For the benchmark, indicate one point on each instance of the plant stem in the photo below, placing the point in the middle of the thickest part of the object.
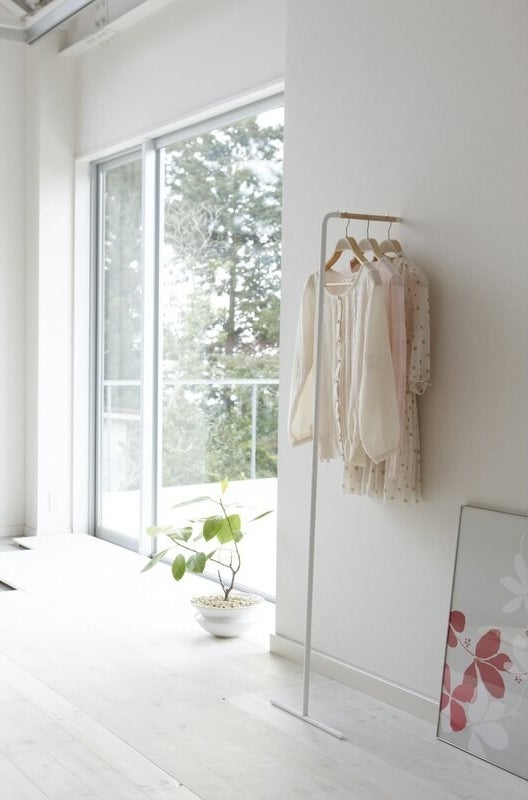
(192, 550)
(230, 566)
(222, 584)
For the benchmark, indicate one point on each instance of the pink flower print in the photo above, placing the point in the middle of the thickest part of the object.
(489, 664)
(457, 623)
(457, 715)
(468, 687)
(517, 586)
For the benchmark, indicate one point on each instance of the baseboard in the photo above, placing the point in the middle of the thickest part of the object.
(29, 531)
(405, 699)
(8, 531)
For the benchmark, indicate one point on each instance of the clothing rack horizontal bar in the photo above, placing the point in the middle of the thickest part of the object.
(371, 217)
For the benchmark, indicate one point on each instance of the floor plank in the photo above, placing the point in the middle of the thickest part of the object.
(109, 690)
(102, 762)
(15, 784)
(38, 765)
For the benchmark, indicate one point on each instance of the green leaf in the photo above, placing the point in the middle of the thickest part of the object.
(224, 534)
(157, 531)
(211, 527)
(264, 514)
(234, 522)
(197, 562)
(229, 529)
(178, 567)
(224, 485)
(194, 500)
(154, 560)
(180, 534)
(237, 536)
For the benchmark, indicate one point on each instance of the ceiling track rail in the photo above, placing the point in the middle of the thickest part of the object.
(46, 21)
(54, 18)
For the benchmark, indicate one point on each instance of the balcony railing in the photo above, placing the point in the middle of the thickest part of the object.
(111, 412)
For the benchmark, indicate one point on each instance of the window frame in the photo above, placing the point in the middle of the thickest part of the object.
(152, 231)
(97, 337)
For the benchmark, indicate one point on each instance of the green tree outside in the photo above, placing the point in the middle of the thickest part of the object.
(221, 297)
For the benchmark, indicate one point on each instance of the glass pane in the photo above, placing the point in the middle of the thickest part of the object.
(220, 297)
(120, 426)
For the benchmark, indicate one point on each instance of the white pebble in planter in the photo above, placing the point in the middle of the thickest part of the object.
(226, 618)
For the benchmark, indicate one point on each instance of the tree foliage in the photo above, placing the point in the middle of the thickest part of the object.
(219, 299)
(221, 290)
(123, 276)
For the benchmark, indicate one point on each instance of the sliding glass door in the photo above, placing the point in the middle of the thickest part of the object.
(216, 333)
(120, 323)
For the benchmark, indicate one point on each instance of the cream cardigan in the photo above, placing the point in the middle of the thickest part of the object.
(358, 412)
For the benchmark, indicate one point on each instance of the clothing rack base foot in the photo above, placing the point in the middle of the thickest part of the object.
(310, 720)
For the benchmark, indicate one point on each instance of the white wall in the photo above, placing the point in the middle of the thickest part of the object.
(50, 143)
(12, 278)
(186, 58)
(419, 109)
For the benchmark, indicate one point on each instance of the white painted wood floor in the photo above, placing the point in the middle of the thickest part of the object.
(110, 691)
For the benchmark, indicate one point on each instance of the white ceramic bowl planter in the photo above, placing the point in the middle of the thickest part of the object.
(224, 615)
(226, 618)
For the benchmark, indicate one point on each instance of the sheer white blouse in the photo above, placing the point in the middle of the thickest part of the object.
(358, 411)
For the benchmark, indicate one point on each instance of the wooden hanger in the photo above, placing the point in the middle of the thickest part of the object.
(346, 243)
(370, 246)
(390, 247)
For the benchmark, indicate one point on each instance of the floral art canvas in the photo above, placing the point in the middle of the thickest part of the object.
(484, 700)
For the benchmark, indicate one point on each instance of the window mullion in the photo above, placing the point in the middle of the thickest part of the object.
(149, 350)
(98, 364)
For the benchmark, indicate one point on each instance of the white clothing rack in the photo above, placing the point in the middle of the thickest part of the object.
(304, 712)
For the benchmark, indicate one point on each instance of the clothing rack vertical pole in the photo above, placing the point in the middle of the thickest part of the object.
(304, 713)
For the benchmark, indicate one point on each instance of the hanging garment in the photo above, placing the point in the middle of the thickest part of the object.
(358, 410)
(395, 306)
(373, 479)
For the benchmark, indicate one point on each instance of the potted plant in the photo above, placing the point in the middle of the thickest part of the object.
(227, 614)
